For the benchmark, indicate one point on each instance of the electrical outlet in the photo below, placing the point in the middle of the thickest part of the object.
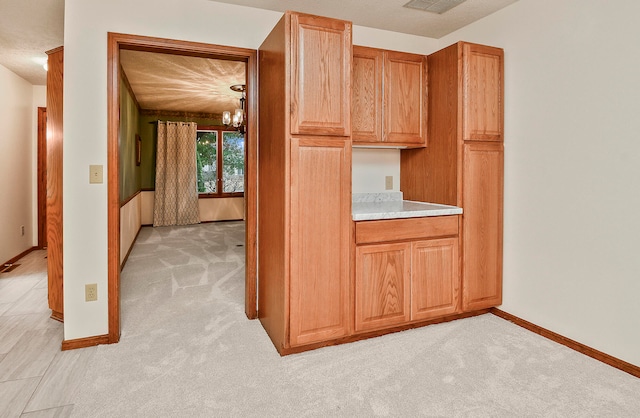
(22, 230)
(388, 183)
(91, 292)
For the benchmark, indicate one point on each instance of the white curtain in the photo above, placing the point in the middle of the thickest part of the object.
(176, 195)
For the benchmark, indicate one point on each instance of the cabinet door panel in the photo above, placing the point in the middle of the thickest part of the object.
(320, 76)
(366, 115)
(434, 278)
(405, 98)
(382, 295)
(483, 93)
(320, 237)
(482, 225)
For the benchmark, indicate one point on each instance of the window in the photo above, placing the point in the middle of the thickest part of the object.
(220, 162)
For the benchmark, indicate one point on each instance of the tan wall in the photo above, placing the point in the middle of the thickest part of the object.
(218, 209)
(18, 166)
(130, 223)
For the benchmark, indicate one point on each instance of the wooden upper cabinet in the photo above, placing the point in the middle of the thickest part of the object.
(483, 93)
(405, 98)
(389, 98)
(320, 76)
(366, 115)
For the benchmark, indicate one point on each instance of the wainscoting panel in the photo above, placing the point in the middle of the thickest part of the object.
(214, 209)
(130, 223)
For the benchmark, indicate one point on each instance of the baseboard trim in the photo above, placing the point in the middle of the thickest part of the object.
(58, 316)
(84, 342)
(567, 342)
(19, 256)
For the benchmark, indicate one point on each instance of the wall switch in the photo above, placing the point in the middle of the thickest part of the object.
(22, 230)
(90, 292)
(388, 183)
(95, 174)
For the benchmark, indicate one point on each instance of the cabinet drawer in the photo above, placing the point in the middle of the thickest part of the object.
(406, 229)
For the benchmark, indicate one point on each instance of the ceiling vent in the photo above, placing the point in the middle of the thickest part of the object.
(433, 6)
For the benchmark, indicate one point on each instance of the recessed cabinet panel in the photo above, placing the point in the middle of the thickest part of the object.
(404, 98)
(382, 297)
(320, 76)
(435, 281)
(482, 192)
(320, 225)
(366, 115)
(483, 93)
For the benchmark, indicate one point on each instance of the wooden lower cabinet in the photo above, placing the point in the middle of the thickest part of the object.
(482, 191)
(320, 237)
(435, 282)
(402, 282)
(382, 296)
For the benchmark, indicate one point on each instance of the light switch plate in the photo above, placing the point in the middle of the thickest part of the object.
(388, 183)
(95, 174)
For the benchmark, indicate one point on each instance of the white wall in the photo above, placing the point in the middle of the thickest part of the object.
(85, 110)
(370, 168)
(39, 99)
(16, 169)
(572, 167)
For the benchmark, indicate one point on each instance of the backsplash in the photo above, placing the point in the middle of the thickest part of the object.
(372, 166)
(376, 197)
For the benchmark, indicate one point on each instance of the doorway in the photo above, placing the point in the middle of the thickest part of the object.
(118, 42)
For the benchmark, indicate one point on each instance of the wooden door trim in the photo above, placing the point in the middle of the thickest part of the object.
(42, 177)
(117, 41)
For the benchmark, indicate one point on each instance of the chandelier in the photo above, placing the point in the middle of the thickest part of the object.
(238, 119)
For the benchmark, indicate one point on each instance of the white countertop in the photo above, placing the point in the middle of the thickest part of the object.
(373, 206)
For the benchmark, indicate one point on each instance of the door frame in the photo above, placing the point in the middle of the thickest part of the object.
(118, 41)
(42, 177)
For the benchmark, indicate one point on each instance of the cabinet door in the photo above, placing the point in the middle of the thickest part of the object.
(435, 281)
(482, 185)
(405, 98)
(366, 115)
(320, 214)
(483, 93)
(382, 293)
(320, 76)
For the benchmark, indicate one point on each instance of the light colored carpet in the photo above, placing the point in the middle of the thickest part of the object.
(187, 350)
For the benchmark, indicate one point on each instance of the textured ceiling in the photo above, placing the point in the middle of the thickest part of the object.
(387, 14)
(29, 28)
(181, 83)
